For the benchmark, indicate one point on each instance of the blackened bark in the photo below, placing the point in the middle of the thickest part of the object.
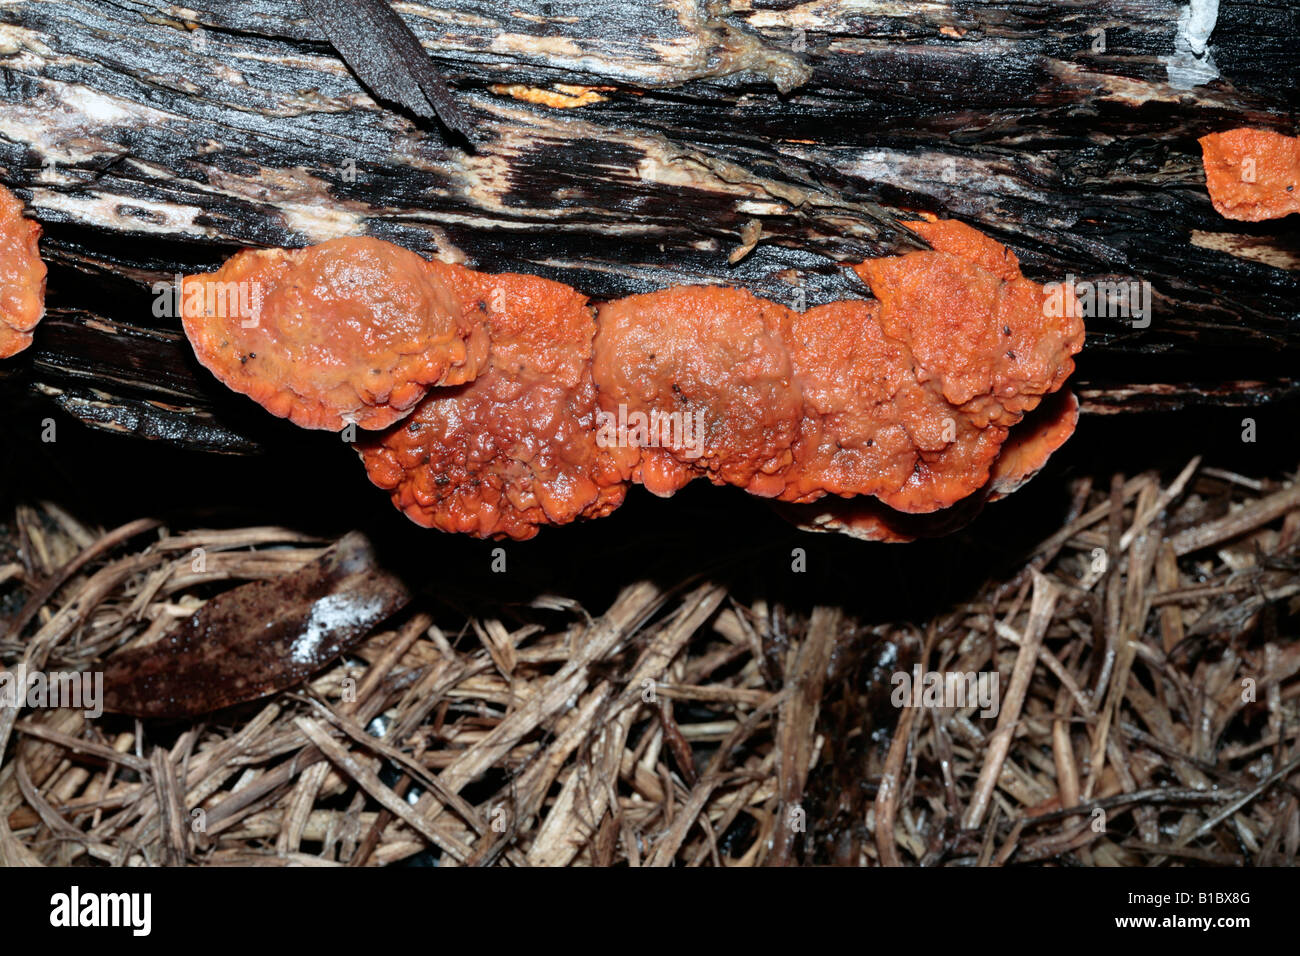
(624, 147)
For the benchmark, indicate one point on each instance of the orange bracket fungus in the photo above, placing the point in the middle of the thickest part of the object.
(1024, 453)
(352, 331)
(1252, 174)
(517, 448)
(22, 276)
(525, 406)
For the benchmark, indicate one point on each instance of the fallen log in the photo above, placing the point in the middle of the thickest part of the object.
(624, 148)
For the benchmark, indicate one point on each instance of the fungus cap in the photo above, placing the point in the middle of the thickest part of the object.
(1032, 442)
(516, 448)
(1022, 455)
(22, 276)
(709, 369)
(353, 330)
(1252, 174)
(984, 347)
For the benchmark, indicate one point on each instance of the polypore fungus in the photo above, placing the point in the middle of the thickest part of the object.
(984, 349)
(909, 398)
(707, 370)
(1252, 174)
(1026, 450)
(22, 276)
(515, 449)
(353, 330)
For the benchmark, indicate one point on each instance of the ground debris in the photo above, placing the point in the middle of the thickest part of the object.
(1145, 654)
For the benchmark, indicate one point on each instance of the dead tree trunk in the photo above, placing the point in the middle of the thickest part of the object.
(624, 147)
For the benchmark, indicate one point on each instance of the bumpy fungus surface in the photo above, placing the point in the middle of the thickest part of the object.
(515, 449)
(710, 371)
(1023, 455)
(984, 350)
(1252, 174)
(22, 276)
(353, 330)
(908, 398)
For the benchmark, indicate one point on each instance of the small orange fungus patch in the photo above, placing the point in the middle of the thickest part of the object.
(1252, 174)
(22, 276)
(565, 96)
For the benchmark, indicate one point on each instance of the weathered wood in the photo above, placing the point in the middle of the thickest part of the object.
(624, 147)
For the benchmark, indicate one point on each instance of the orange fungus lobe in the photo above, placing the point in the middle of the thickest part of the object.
(516, 448)
(699, 380)
(1252, 174)
(22, 276)
(984, 347)
(353, 330)
(1024, 453)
